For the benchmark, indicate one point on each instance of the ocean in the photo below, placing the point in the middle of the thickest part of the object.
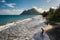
(22, 27)
(5, 19)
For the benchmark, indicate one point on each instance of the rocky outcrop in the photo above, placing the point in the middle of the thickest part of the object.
(54, 33)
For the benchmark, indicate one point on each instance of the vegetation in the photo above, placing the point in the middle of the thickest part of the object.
(53, 15)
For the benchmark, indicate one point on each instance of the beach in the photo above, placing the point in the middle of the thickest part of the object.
(26, 29)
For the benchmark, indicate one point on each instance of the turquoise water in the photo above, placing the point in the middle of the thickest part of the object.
(30, 27)
(4, 19)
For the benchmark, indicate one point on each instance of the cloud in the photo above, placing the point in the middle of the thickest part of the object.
(48, 1)
(11, 12)
(54, 7)
(39, 9)
(2, 1)
(11, 5)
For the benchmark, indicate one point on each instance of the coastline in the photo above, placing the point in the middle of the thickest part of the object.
(29, 31)
(22, 30)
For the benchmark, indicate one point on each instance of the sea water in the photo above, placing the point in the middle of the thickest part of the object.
(22, 27)
(4, 19)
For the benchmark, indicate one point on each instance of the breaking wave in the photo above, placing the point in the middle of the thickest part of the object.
(24, 29)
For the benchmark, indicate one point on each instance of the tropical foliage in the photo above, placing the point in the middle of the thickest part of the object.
(52, 14)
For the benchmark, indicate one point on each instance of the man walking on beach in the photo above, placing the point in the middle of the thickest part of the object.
(42, 31)
(41, 34)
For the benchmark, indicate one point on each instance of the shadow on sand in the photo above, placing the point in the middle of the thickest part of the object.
(39, 36)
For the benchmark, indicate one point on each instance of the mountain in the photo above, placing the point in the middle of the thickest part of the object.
(32, 11)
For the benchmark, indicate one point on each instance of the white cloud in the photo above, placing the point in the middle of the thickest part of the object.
(2, 1)
(54, 7)
(10, 12)
(11, 5)
(48, 1)
(39, 9)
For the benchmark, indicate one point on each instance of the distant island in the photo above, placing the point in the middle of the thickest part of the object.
(32, 11)
(51, 15)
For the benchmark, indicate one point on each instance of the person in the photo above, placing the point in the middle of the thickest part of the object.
(42, 31)
(41, 35)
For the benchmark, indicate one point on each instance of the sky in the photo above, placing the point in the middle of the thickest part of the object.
(15, 7)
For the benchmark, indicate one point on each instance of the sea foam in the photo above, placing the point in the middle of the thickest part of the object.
(22, 29)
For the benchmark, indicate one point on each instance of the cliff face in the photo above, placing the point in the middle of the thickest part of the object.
(30, 12)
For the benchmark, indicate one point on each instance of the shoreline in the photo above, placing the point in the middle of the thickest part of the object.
(23, 29)
(49, 29)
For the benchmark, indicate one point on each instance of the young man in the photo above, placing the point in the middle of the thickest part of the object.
(42, 31)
